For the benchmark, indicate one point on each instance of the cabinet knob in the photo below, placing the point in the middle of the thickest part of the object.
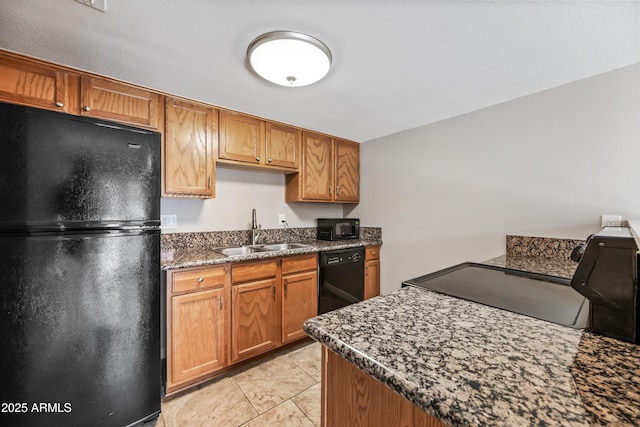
(286, 282)
(209, 182)
(269, 160)
(87, 108)
(337, 190)
(330, 191)
(257, 159)
(59, 104)
(200, 279)
(221, 299)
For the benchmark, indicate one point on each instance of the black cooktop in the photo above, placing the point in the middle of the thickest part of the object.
(544, 297)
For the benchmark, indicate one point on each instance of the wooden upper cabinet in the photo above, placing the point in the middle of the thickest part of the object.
(329, 172)
(34, 84)
(347, 175)
(190, 137)
(317, 167)
(281, 145)
(111, 100)
(241, 138)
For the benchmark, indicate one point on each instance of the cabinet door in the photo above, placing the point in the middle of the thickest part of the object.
(33, 84)
(317, 167)
(241, 138)
(281, 145)
(347, 171)
(190, 134)
(197, 336)
(299, 303)
(371, 278)
(107, 99)
(253, 318)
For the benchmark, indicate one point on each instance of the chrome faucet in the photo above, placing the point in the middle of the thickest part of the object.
(255, 228)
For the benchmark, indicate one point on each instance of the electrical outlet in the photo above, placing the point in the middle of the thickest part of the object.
(281, 219)
(168, 221)
(610, 221)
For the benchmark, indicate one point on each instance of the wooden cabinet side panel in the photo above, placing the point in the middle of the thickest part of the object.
(317, 167)
(189, 134)
(253, 319)
(347, 171)
(197, 330)
(241, 138)
(29, 83)
(113, 100)
(299, 303)
(352, 398)
(281, 145)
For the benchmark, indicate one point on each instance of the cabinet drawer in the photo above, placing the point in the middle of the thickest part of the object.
(299, 263)
(372, 252)
(198, 279)
(253, 271)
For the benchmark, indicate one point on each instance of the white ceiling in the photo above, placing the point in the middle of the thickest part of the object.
(396, 64)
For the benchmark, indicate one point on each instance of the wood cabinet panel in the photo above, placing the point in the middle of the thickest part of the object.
(241, 137)
(190, 138)
(33, 84)
(282, 145)
(351, 397)
(253, 271)
(197, 330)
(372, 272)
(299, 303)
(197, 279)
(253, 319)
(299, 263)
(108, 99)
(347, 185)
(317, 167)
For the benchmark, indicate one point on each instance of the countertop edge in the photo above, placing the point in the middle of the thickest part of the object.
(214, 258)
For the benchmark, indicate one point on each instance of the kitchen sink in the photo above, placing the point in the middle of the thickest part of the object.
(284, 246)
(240, 250)
(252, 249)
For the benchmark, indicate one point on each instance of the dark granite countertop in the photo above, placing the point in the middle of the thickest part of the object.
(181, 258)
(472, 365)
(559, 267)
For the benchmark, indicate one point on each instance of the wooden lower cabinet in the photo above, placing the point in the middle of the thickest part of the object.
(222, 315)
(372, 272)
(351, 397)
(253, 319)
(197, 325)
(299, 300)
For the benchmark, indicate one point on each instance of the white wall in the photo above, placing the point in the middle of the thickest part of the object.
(237, 193)
(548, 164)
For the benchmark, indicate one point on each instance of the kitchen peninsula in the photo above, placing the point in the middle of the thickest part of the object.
(416, 357)
(464, 364)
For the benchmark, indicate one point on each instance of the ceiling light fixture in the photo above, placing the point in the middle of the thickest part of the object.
(289, 58)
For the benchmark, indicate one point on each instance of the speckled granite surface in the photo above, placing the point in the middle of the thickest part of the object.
(540, 247)
(552, 267)
(472, 365)
(543, 255)
(180, 250)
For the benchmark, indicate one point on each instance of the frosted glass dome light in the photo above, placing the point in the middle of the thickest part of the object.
(288, 58)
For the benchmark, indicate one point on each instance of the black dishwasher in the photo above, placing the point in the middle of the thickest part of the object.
(341, 278)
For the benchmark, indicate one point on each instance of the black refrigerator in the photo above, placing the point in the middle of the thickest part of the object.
(79, 270)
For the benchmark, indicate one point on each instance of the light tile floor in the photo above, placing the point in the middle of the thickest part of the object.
(283, 390)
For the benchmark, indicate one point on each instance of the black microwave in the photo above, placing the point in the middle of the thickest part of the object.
(338, 228)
